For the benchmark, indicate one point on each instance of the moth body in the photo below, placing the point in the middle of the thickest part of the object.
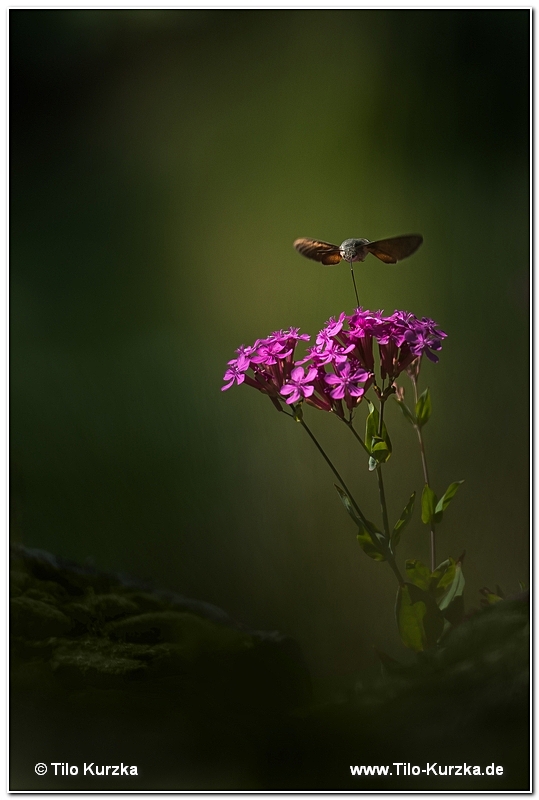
(354, 250)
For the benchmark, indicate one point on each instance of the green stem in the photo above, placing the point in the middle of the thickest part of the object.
(381, 490)
(381, 422)
(393, 564)
(383, 502)
(389, 556)
(426, 477)
(350, 424)
(336, 473)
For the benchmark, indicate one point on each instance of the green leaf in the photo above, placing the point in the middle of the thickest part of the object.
(406, 412)
(419, 620)
(418, 573)
(402, 522)
(428, 503)
(490, 598)
(374, 530)
(455, 589)
(369, 540)
(444, 501)
(380, 452)
(349, 506)
(436, 583)
(375, 443)
(379, 445)
(387, 440)
(371, 544)
(371, 425)
(442, 577)
(423, 408)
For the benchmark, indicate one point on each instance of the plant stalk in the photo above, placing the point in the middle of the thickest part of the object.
(350, 425)
(381, 490)
(336, 473)
(389, 556)
(426, 478)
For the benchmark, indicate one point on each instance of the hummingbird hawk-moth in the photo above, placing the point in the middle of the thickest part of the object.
(388, 250)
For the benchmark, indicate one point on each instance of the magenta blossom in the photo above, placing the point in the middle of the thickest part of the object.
(340, 367)
(401, 338)
(266, 365)
(299, 384)
(344, 382)
(333, 327)
(236, 371)
(424, 337)
(330, 352)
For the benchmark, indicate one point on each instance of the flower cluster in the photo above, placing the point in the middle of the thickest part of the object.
(271, 361)
(340, 366)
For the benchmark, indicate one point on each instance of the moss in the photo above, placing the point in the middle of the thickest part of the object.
(194, 634)
(88, 664)
(35, 619)
(19, 580)
(110, 606)
(145, 601)
(106, 635)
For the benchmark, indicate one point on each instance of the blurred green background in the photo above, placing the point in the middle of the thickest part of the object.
(162, 163)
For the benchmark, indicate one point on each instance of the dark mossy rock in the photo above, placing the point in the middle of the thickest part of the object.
(195, 633)
(99, 669)
(108, 670)
(105, 607)
(35, 619)
(106, 631)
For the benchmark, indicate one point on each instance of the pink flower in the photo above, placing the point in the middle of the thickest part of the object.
(299, 385)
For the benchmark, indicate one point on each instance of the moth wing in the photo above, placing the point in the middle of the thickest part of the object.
(388, 259)
(325, 252)
(395, 249)
(331, 258)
